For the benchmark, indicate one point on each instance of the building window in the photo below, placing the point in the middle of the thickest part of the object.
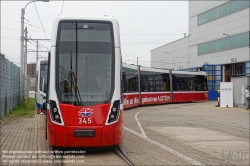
(247, 68)
(227, 43)
(222, 11)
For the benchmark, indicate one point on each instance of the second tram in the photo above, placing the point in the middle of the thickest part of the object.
(159, 86)
(41, 84)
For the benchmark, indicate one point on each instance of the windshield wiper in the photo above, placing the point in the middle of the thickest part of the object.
(73, 83)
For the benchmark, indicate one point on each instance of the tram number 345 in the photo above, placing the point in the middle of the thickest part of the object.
(84, 121)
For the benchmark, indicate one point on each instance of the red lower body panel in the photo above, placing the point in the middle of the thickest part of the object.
(147, 98)
(108, 135)
(84, 141)
(57, 135)
(63, 136)
(51, 131)
(118, 134)
(183, 97)
(189, 96)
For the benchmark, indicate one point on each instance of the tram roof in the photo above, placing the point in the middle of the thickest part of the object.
(86, 17)
(129, 68)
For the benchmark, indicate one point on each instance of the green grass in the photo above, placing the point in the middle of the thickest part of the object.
(25, 110)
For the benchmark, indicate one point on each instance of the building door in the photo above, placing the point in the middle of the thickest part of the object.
(214, 77)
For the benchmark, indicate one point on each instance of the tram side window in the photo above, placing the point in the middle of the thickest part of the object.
(127, 85)
(131, 84)
(144, 84)
(151, 81)
(135, 84)
(43, 77)
(201, 85)
(36, 81)
(185, 84)
(181, 84)
(205, 84)
(158, 83)
(190, 85)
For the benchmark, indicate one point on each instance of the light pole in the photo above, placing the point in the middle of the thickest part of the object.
(22, 59)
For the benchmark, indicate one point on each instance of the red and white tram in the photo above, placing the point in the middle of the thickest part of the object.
(157, 86)
(84, 106)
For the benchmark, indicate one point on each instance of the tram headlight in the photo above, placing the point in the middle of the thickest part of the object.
(55, 109)
(115, 112)
(54, 112)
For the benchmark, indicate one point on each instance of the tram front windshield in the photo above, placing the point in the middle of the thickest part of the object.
(84, 63)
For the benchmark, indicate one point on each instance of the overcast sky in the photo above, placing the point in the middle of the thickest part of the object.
(144, 25)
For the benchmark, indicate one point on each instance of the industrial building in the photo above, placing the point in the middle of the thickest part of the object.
(31, 70)
(217, 42)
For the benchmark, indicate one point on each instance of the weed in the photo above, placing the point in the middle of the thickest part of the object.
(25, 110)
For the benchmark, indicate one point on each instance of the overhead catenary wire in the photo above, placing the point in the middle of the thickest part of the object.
(40, 20)
(39, 44)
(62, 8)
(36, 27)
(35, 46)
(19, 29)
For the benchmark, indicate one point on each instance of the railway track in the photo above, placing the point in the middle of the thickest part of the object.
(121, 154)
(60, 159)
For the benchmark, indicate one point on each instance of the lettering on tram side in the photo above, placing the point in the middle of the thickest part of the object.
(127, 101)
(155, 99)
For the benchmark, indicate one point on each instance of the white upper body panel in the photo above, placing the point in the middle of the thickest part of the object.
(114, 22)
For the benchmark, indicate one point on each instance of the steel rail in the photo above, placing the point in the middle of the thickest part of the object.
(117, 150)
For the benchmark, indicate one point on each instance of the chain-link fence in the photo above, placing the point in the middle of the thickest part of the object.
(9, 86)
